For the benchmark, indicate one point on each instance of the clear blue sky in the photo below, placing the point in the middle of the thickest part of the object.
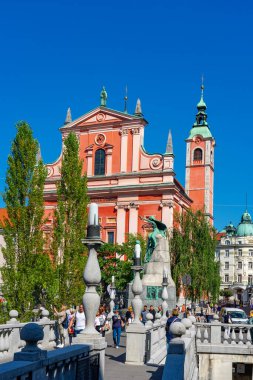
(56, 54)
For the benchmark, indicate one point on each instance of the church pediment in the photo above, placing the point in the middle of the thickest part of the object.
(100, 115)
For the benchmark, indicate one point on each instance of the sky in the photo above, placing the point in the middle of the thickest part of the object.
(57, 54)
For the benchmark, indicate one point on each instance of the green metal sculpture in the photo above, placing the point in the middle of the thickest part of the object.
(103, 97)
(159, 228)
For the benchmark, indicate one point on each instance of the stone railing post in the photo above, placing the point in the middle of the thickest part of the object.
(112, 298)
(136, 331)
(187, 324)
(91, 299)
(46, 328)
(165, 295)
(174, 365)
(149, 323)
(215, 330)
(13, 314)
(31, 333)
(14, 336)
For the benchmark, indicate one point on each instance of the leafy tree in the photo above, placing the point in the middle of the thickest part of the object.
(226, 293)
(69, 225)
(193, 252)
(117, 259)
(27, 272)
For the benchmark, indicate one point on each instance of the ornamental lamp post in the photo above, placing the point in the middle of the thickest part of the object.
(92, 273)
(165, 295)
(112, 298)
(137, 288)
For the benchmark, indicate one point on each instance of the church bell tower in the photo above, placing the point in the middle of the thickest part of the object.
(199, 177)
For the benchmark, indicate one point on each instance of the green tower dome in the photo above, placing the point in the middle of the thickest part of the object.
(245, 228)
(201, 104)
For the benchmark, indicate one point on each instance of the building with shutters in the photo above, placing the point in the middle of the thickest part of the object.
(235, 254)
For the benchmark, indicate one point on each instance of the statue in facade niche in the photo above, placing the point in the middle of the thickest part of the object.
(159, 228)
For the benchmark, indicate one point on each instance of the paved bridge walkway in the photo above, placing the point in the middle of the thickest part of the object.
(116, 369)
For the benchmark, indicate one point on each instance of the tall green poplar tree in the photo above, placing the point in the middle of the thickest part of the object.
(193, 252)
(27, 272)
(70, 225)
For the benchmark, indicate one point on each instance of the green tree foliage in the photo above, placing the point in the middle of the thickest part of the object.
(193, 252)
(111, 261)
(226, 293)
(27, 272)
(69, 225)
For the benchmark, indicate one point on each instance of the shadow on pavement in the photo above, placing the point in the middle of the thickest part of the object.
(157, 375)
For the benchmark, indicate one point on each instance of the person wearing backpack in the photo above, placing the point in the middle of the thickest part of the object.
(173, 318)
(62, 325)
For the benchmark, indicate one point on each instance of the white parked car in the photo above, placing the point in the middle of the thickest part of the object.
(236, 315)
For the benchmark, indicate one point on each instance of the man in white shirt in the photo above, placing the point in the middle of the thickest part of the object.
(78, 320)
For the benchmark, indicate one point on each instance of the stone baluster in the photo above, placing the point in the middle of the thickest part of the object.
(6, 341)
(52, 337)
(233, 336)
(205, 335)
(248, 337)
(165, 295)
(1, 344)
(240, 336)
(226, 336)
(198, 335)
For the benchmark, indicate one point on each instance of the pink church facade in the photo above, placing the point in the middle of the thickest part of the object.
(127, 182)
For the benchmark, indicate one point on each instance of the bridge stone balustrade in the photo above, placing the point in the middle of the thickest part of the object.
(10, 341)
(220, 346)
(229, 336)
(73, 362)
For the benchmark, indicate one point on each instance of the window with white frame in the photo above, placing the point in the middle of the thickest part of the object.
(239, 278)
(227, 253)
(227, 242)
(250, 265)
(217, 254)
(239, 242)
(239, 265)
(251, 252)
(226, 278)
(226, 265)
(239, 252)
(250, 279)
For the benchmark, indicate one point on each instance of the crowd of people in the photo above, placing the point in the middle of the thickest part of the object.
(70, 322)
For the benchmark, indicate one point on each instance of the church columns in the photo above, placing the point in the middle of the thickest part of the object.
(167, 213)
(108, 161)
(133, 218)
(123, 155)
(136, 149)
(89, 162)
(121, 223)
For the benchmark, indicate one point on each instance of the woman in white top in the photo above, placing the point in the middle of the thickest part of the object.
(101, 324)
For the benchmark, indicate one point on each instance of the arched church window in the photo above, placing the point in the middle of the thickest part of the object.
(100, 162)
(197, 156)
